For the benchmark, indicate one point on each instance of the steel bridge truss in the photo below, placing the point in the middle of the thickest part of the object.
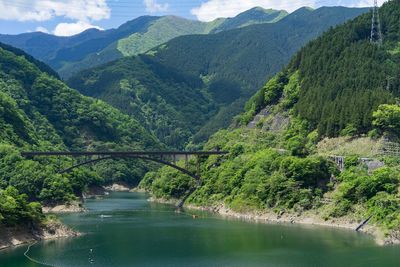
(168, 158)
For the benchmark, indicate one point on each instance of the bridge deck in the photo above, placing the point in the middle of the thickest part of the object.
(121, 153)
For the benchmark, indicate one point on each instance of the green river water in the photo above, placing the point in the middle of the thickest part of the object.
(134, 232)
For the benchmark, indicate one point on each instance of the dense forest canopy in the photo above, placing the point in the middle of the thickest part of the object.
(336, 85)
(93, 47)
(170, 104)
(214, 75)
(39, 112)
(341, 77)
(339, 84)
(344, 78)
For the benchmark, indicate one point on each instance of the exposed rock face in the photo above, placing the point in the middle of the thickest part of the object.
(118, 187)
(277, 124)
(65, 208)
(269, 120)
(372, 164)
(393, 238)
(264, 113)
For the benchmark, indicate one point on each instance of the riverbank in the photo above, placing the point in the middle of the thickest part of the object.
(92, 192)
(15, 236)
(75, 207)
(118, 187)
(311, 217)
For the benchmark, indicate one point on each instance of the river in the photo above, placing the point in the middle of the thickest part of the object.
(124, 229)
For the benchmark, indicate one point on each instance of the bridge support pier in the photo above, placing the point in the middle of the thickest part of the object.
(198, 166)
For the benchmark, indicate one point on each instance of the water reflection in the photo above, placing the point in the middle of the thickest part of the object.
(139, 233)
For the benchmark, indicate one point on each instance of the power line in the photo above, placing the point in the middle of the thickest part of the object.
(127, 4)
(130, 9)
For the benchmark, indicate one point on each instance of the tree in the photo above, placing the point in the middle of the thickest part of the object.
(387, 118)
(56, 189)
(15, 208)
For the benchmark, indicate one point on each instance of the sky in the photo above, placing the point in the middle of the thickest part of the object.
(69, 17)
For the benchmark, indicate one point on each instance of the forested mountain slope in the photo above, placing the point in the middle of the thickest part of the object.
(93, 47)
(39, 112)
(227, 68)
(56, 49)
(257, 15)
(342, 78)
(335, 85)
(249, 56)
(156, 32)
(170, 104)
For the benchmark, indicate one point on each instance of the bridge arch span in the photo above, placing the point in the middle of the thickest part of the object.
(160, 161)
(155, 156)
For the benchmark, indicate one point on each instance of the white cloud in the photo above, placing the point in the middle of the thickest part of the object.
(22, 12)
(42, 29)
(68, 29)
(82, 12)
(213, 9)
(153, 7)
(363, 3)
(42, 10)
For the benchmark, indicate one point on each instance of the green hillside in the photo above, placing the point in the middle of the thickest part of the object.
(39, 112)
(161, 31)
(227, 68)
(154, 33)
(236, 63)
(342, 78)
(167, 28)
(170, 104)
(274, 163)
(92, 48)
(257, 15)
(57, 51)
(248, 56)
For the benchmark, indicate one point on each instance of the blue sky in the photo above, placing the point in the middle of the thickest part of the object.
(68, 17)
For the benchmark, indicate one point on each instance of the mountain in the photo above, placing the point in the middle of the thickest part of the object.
(228, 67)
(236, 63)
(44, 46)
(251, 54)
(345, 78)
(170, 104)
(340, 78)
(161, 31)
(38, 112)
(156, 32)
(337, 84)
(58, 51)
(257, 15)
(93, 47)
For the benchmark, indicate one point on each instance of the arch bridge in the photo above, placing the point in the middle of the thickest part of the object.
(168, 158)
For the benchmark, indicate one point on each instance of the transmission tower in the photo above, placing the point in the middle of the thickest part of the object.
(376, 32)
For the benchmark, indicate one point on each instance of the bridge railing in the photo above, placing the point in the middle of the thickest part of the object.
(121, 153)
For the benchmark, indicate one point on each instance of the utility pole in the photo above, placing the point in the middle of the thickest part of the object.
(376, 31)
(389, 81)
